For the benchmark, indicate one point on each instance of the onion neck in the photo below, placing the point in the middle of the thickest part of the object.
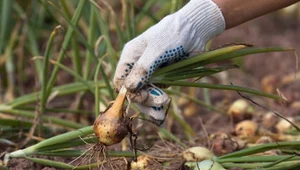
(117, 107)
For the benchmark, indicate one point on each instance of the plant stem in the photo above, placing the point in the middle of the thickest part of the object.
(65, 44)
(6, 10)
(259, 166)
(52, 141)
(44, 96)
(262, 148)
(50, 119)
(76, 153)
(252, 159)
(218, 86)
(195, 59)
(76, 75)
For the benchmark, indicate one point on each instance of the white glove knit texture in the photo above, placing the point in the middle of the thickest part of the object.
(175, 37)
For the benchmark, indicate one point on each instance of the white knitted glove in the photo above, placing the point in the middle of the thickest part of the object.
(175, 37)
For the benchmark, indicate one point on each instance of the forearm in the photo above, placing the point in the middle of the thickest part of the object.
(236, 12)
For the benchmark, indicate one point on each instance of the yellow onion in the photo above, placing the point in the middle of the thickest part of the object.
(145, 162)
(112, 125)
(284, 125)
(246, 129)
(269, 120)
(240, 110)
(197, 153)
(209, 165)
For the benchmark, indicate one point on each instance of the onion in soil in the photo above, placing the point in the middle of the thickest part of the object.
(145, 162)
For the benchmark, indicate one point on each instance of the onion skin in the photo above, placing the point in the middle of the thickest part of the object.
(209, 165)
(110, 131)
(197, 154)
(246, 129)
(145, 162)
(112, 126)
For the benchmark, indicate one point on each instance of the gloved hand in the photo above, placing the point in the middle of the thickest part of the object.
(175, 37)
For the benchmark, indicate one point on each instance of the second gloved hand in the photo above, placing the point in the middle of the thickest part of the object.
(174, 38)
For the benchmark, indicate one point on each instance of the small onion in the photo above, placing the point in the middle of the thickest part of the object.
(269, 120)
(296, 105)
(209, 165)
(246, 129)
(144, 162)
(197, 153)
(268, 83)
(240, 110)
(284, 125)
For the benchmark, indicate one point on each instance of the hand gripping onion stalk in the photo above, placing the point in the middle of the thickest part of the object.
(112, 125)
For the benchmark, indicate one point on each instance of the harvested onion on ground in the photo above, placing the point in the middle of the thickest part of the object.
(197, 153)
(112, 126)
(246, 129)
(240, 110)
(201, 158)
(145, 162)
(283, 125)
(209, 165)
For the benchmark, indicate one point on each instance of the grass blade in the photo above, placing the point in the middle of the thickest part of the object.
(52, 141)
(195, 73)
(44, 96)
(210, 57)
(218, 86)
(251, 159)
(278, 161)
(77, 76)
(10, 62)
(262, 148)
(51, 163)
(75, 45)
(289, 165)
(6, 11)
(65, 44)
(90, 49)
(144, 11)
(244, 52)
(60, 91)
(76, 142)
(76, 153)
(105, 32)
(47, 119)
(198, 58)
(91, 41)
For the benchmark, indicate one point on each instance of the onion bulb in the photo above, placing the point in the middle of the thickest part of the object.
(145, 162)
(196, 154)
(246, 129)
(112, 125)
(284, 125)
(209, 165)
(269, 120)
(240, 110)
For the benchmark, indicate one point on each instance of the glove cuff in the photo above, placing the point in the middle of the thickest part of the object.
(205, 16)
